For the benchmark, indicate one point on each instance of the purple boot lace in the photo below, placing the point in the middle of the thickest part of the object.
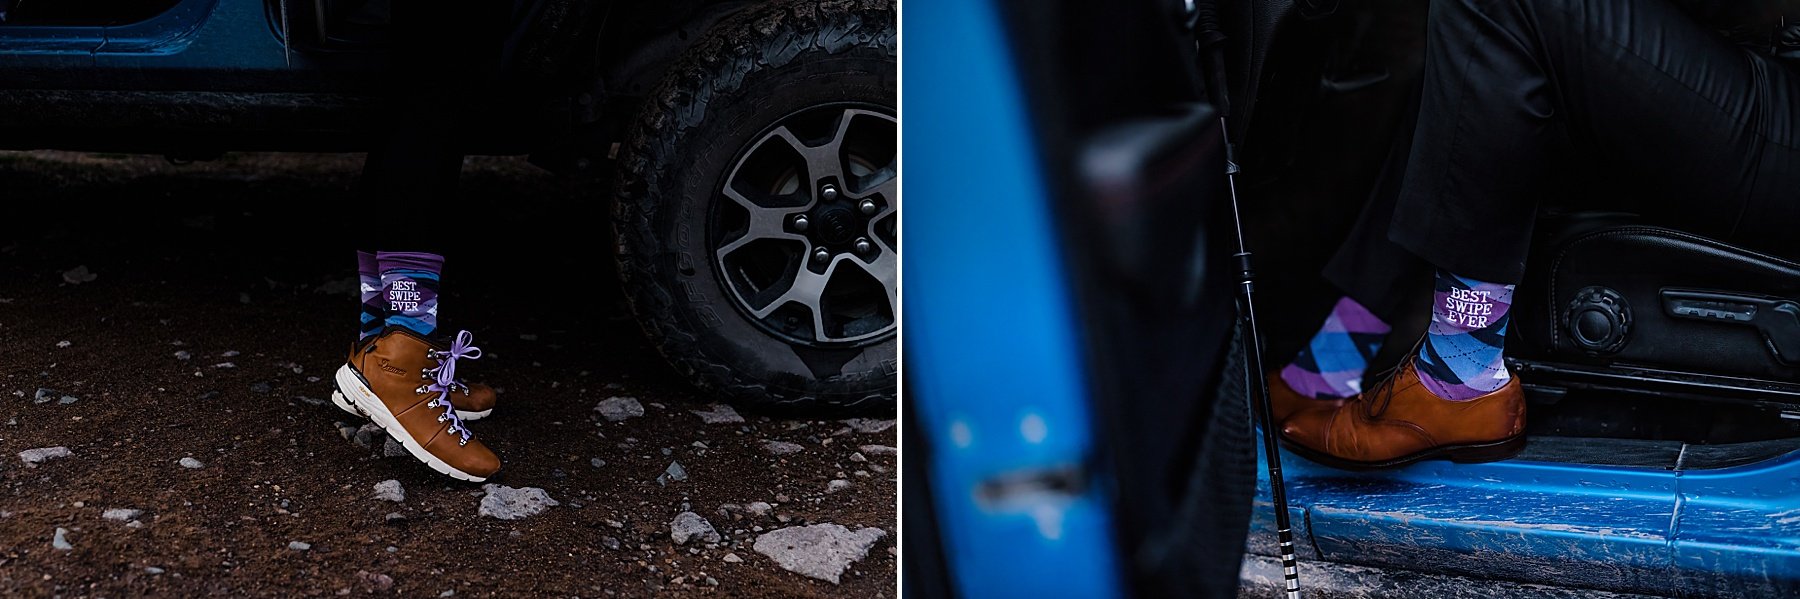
(443, 380)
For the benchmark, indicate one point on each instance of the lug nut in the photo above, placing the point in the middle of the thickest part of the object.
(800, 223)
(867, 207)
(829, 193)
(863, 246)
(822, 255)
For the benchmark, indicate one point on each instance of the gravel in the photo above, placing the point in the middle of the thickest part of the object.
(781, 447)
(719, 414)
(393, 449)
(689, 525)
(508, 503)
(878, 450)
(33, 457)
(758, 508)
(390, 490)
(821, 551)
(619, 408)
(837, 485)
(299, 545)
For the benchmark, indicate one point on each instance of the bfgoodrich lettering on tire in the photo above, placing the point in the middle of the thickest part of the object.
(757, 208)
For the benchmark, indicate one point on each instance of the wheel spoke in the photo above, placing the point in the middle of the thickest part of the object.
(885, 270)
(808, 288)
(822, 162)
(765, 223)
(889, 190)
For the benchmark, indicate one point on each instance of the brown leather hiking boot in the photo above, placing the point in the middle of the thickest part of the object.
(473, 401)
(398, 379)
(1399, 422)
(1285, 401)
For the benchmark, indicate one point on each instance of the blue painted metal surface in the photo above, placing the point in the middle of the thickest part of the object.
(196, 45)
(1726, 532)
(992, 359)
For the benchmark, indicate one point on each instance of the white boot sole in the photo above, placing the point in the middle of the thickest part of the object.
(338, 399)
(364, 400)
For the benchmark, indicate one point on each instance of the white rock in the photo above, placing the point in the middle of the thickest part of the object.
(33, 457)
(781, 447)
(79, 275)
(758, 508)
(390, 490)
(732, 558)
(868, 425)
(619, 408)
(821, 551)
(689, 525)
(121, 514)
(837, 485)
(299, 545)
(719, 414)
(674, 473)
(507, 503)
(879, 450)
(61, 540)
(191, 463)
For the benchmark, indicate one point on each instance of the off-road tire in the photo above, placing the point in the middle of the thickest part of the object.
(750, 70)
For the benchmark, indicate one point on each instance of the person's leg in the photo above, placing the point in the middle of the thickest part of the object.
(1332, 363)
(1509, 86)
(1627, 89)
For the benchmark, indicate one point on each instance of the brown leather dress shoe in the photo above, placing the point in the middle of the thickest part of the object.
(1399, 422)
(1285, 401)
(394, 379)
(473, 401)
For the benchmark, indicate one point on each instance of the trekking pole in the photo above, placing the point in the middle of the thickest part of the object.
(1211, 41)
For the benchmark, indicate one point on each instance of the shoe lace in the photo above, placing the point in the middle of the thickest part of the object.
(1375, 401)
(443, 380)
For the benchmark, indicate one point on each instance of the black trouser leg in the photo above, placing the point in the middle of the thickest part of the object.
(1697, 133)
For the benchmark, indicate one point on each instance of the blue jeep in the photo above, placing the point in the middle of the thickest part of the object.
(1076, 402)
(749, 148)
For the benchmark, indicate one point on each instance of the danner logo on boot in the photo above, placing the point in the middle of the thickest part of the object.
(395, 370)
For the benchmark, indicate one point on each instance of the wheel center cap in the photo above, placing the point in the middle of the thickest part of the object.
(837, 224)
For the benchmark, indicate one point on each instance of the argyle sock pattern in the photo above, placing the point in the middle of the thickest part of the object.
(374, 307)
(1331, 365)
(1462, 356)
(409, 285)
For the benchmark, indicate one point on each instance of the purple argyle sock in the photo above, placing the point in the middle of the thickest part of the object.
(1331, 365)
(409, 285)
(1462, 357)
(368, 280)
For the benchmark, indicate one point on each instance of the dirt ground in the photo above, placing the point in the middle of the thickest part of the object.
(247, 261)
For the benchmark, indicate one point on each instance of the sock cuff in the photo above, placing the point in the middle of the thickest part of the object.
(432, 263)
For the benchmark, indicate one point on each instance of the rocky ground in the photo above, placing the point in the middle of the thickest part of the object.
(167, 334)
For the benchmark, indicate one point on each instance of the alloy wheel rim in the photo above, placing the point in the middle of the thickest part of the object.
(804, 233)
